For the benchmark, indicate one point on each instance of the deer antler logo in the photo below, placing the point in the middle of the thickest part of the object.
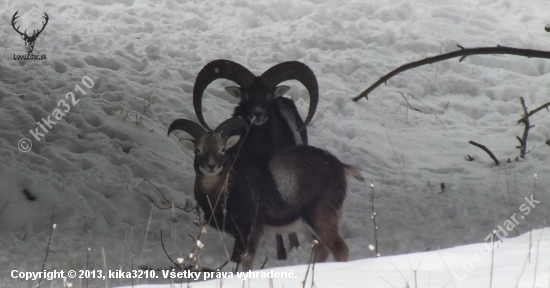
(29, 40)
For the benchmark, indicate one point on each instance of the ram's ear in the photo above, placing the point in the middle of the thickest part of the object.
(231, 141)
(234, 91)
(280, 91)
(187, 143)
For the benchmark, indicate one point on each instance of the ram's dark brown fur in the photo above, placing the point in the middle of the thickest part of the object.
(271, 189)
(277, 121)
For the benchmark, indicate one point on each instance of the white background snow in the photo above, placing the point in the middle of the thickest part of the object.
(89, 170)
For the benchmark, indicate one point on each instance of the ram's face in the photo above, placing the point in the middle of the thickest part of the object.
(209, 152)
(257, 99)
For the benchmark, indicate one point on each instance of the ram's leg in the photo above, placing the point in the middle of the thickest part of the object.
(325, 225)
(321, 252)
(294, 243)
(328, 234)
(254, 241)
(281, 251)
(238, 249)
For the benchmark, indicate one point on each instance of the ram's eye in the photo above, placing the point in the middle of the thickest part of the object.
(197, 151)
(223, 150)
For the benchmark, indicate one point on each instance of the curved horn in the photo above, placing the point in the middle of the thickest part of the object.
(217, 69)
(230, 125)
(294, 70)
(188, 126)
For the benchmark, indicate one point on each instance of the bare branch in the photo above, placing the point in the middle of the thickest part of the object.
(523, 140)
(169, 258)
(165, 199)
(463, 53)
(486, 150)
(534, 111)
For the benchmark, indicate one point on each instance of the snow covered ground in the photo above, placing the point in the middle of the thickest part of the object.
(468, 266)
(88, 171)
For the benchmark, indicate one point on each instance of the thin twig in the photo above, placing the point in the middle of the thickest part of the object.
(169, 258)
(386, 281)
(463, 53)
(311, 255)
(408, 106)
(374, 221)
(105, 267)
(523, 141)
(6, 205)
(48, 247)
(87, 263)
(165, 199)
(218, 227)
(24, 236)
(406, 282)
(313, 274)
(397, 159)
(486, 150)
(532, 216)
(263, 264)
(436, 114)
(193, 257)
(448, 270)
(224, 189)
(522, 270)
(534, 111)
(437, 67)
(445, 108)
(324, 110)
(537, 261)
(492, 258)
(415, 270)
(123, 255)
(145, 240)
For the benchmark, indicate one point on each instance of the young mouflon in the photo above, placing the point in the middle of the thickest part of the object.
(299, 188)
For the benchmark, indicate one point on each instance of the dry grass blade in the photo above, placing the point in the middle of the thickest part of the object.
(48, 247)
(322, 112)
(403, 276)
(435, 112)
(448, 270)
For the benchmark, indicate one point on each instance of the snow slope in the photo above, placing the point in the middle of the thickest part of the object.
(468, 266)
(89, 169)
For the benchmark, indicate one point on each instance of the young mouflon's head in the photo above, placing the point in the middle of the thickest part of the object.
(209, 146)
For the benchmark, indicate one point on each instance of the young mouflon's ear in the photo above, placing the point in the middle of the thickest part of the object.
(234, 91)
(280, 90)
(189, 144)
(231, 141)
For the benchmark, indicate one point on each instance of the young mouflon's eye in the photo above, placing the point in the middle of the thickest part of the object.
(197, 151)
(223, 150)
